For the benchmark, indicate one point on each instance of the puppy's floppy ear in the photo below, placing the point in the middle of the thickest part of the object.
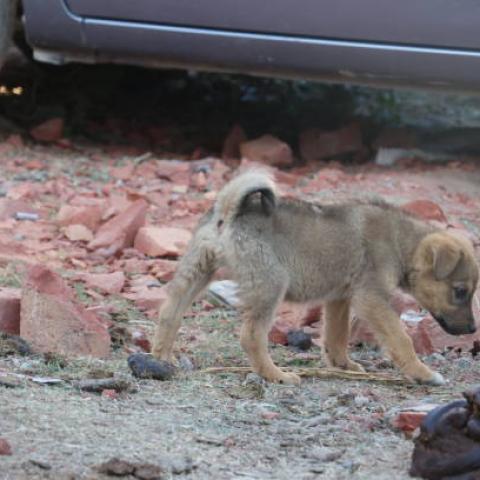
(445, 258)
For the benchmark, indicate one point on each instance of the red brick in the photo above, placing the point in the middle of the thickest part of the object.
(426, 210)
(267, 150)
(88, 215)
(49, 131)
(317, 144)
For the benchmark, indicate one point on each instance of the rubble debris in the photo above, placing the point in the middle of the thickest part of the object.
(5, 448)
(13, 345)
(448, 445)
(146, 367)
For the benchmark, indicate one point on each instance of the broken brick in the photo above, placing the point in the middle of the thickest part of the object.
(119, 232)
(140, 339)
(5, 448)
(164, 270)
(162, 241)
(52, 320)
(408, 421)
(78, 233)
(10, 310)
(291, 317)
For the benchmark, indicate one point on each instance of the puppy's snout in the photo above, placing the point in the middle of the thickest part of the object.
(472, 328)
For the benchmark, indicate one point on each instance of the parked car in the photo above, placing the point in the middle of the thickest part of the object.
(428, 43)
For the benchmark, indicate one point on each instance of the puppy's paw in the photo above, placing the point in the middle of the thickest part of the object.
(282, 377)
(161, 354)
(436, 379)
(291, 379)
(346, 365)
(353, 366)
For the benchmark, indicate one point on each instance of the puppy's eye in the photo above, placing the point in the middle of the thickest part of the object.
(460, 293)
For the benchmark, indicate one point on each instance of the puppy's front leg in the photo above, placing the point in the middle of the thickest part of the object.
(388, 328)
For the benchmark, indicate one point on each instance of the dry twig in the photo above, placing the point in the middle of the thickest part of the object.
(314, 372)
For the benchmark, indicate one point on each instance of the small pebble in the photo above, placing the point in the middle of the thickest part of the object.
(185, 364)
(325, 454)
(322, 419)
(436, 358)
(464, 363)
(361, 400)
(253, 379)
(5, 448)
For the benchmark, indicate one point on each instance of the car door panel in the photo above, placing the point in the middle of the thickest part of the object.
(443, 23)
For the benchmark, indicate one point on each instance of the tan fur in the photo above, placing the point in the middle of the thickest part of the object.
(347, 256)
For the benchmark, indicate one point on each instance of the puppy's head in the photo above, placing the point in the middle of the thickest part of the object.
(444, 279)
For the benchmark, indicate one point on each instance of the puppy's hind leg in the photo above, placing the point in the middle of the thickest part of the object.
(336, 333)
(258, 312)
(194, 273)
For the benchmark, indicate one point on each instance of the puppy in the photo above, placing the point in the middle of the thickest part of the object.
(349, 256)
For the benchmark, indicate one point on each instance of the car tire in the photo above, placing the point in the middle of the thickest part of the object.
(7, 8)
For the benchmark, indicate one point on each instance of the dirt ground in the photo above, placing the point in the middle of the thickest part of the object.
(198, 425)
(216, 425)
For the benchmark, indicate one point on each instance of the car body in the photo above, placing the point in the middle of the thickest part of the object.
(426, 44)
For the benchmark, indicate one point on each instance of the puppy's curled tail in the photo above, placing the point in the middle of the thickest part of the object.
(233, 197)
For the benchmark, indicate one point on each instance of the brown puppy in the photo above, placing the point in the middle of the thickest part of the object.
(347, 256)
